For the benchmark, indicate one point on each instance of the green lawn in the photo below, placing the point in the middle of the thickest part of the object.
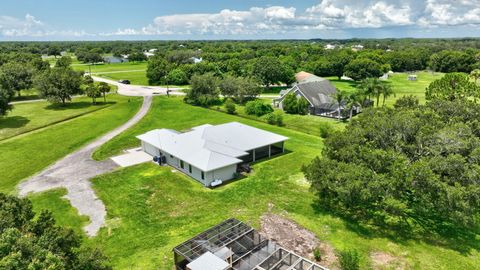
(309, 124)
(64, 213)
(24, 155)
(135, 77)
(401, 85)
(26, 117)
(114, 67)
(151, 209)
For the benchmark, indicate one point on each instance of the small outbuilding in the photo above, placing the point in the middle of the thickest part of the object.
(211, 153)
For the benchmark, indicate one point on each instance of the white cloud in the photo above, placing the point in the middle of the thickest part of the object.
(448, 12)
(31, 27)
(327, 16)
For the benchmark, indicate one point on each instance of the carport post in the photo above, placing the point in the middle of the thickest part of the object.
(253, 154)
(270, 150)
(283, 147)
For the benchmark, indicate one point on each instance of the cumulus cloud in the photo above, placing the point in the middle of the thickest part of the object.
(447, 12)
(326, 15)
(29, 26)
(252, 21)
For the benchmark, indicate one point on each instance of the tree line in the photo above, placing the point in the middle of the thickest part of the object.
(57, 84)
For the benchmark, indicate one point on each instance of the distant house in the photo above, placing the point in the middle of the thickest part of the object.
(319, 92)
(233, 245)
(330, 47)
(114, 59)
(357, 47)
(196, 60)
(212, 153)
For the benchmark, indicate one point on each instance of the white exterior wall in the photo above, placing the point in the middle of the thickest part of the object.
(225, 173)
(150, 149)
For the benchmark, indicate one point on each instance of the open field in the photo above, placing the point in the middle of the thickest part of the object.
(309, 124)
(400, 85)
(112, 67)
(151, 209)
(135, 77)
(26, 117)
(24, 155)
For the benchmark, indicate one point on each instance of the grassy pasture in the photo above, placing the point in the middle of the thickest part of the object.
(151, 209)
(26, 117)
(113, 67)
(24, 155)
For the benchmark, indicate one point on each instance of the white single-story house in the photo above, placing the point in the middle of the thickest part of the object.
(208, 153)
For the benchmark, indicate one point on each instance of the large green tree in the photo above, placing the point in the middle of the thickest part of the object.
(6, 96)
(411, 168)
(452, 86)
(59, 84)
(28, 242)
(16, 76)
(240, 88)
(363, 68)
(157, 70)
(269, 70)
(204, 90)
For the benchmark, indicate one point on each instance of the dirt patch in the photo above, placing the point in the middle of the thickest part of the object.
(293, 237)
(382, 260)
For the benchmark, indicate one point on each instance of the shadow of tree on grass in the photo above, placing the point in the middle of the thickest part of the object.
(77, 105)
(461, 241)
(13, 122)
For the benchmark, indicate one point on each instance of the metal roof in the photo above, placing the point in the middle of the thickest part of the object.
(210, 147)
(208, 261)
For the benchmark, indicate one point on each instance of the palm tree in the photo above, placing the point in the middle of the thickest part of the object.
(353, 100)
(340, 96)
(370, 87)
(386, 90)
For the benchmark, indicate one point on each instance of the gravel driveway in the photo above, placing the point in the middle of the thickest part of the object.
(74, 172)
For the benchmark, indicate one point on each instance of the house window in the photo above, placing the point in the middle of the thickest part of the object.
(189, 168)
(181, 164)
(171, 156)
(203, 176)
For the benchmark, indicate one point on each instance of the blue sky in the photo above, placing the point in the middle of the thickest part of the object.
(240, 19)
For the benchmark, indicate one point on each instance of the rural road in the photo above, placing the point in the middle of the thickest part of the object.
(74, 171)
(139, 90)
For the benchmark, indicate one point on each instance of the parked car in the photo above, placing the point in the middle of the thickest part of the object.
(124, 81)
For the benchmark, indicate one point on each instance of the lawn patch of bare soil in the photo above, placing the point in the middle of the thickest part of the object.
(293, 237)
(382, 260)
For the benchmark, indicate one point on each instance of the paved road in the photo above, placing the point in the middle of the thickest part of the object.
(139, 90)
(74, 171)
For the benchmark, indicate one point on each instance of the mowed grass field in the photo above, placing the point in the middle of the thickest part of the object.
(400, 84)
(24, 155)
(151, 209)
(114, 67)
(26, 117)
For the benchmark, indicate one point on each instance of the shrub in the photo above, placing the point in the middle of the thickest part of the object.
(230, 106)
(258, 108)
(317, 254)
(274, 118)
(349, 260)
(409, 101)
(326, 130)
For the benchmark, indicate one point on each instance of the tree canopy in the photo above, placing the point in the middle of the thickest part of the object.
(415, 167)
(29, 242)
(204, 90)
(59, 84)
(453, 86)
(363, 68)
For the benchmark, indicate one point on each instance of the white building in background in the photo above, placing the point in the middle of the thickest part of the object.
(330, 47)
(209, 153)
(357, 47)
